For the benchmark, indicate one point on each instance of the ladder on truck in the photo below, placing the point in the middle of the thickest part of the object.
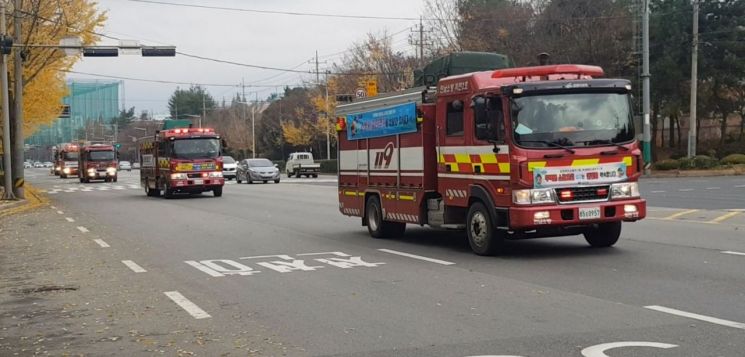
(416, 95)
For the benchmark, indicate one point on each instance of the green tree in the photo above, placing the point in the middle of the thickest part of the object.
(189, 102)
(125, 117)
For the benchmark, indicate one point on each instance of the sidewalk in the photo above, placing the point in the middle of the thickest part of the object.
(33, 200)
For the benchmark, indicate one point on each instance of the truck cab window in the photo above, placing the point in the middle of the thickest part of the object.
(454, 119)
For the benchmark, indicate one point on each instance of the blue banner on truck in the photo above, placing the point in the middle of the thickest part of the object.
(389, 121)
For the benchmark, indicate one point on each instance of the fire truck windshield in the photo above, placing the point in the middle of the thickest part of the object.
(101, 156)
(70, 155)
(572, 119)
(198, 148)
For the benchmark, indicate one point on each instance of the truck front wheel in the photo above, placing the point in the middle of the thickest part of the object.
(217, 191)
(482, 236)
(603, 235)
(376, 225)
(151, 192)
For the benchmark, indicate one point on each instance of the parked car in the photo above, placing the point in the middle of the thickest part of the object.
(251, 170)
(38, 165)
(48, 164)
(228, 167)
(302, 164)
(125, 165)
(27, 165)
(136, 165)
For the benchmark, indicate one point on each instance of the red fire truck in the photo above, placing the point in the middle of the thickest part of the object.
(66, 160)
(182, 160)
(506, 154)
(97, 162)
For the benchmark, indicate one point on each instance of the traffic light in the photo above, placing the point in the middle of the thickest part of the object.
(101, 52)
(118, 146)
(158, 51)
(6, 45)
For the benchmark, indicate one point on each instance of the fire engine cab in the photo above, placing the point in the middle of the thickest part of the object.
(506, 154)
(66, 160)
(182, 160)
(97, 162)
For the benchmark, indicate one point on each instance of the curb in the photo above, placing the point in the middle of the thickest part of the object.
(696, 173)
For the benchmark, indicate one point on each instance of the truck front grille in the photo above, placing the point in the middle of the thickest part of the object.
(581, 194)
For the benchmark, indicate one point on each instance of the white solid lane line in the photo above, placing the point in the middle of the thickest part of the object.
(431, 260)
(101, 243)
(187, 305)
(691, 315)
(83, 229)
(132, 265)
(69, 219)
(732, 252)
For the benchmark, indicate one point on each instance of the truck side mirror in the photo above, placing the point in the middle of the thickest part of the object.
(224, 143)
(484, 129)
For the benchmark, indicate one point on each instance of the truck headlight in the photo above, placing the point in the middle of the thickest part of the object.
(66, 170)
(534, 196)
(91, 171)
(624, 190)
(216, 174)
(179, 176)
(111, 171)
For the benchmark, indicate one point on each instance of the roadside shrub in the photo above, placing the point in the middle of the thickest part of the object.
(733, 159)
(328, 166)
(665, 165)
(704, 162)
(685, 163)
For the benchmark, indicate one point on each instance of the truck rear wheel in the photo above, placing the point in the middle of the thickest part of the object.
(603, 235)
(483, 237)
(376, 225)
(289, 174)
(151, 192)
(217, 191)
(315, 175)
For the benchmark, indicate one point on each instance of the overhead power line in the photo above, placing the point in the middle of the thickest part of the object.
(277, 12)
(178, 82)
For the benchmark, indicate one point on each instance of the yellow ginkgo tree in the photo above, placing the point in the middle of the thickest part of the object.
(45, 22)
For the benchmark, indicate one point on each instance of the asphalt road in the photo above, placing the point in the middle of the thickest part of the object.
(281, 258)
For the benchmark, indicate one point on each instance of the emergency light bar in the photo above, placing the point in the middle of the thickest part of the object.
(188, 130)
(538, 71)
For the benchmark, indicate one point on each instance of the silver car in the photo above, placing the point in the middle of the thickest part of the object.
(252, 170)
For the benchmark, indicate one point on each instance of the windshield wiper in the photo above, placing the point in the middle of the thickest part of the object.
(608, 141)
(549, 143)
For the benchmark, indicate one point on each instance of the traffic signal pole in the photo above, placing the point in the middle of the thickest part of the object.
(8, 173)
(646, 136)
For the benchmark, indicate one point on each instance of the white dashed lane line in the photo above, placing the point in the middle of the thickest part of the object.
(713, 188)
(419, 257)
(69, 219)
(101, 243)
(685, 189)
(733, 252)
(690, 315)
(187, 305)
(132, 265)
(657, 191)
(60, 212)
(83, 229)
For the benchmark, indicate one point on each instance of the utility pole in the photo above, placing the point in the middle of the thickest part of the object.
(253, 126)
(204, 109)
(421, 41)
(328, 120)
(243, 114)
(646, 136)
(8, 172)
(17, 151)
(694, 85)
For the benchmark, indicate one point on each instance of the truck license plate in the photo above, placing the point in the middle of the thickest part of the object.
(201, 182)
(589, 213)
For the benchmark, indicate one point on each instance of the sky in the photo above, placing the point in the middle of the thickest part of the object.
(274, 40)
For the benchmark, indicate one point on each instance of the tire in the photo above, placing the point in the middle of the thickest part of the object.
(603, 235)
(297, 174)
(265, 181)
(249, 181)
(217, 191)
(82, 180)
(376, 226)
(151, 192)
(63, 176)
(483, 237)
(315, 176)
(289, 174)
(167, 191)
(238, 179)
(116, 178)
(276, 181)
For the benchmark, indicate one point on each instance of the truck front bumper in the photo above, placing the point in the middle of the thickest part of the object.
(197, 185)
(525, 218)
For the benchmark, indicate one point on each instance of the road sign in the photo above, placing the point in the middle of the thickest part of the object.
(360, 93)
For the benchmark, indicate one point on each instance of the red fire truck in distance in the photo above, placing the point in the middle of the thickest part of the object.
(97, 162)
(182, 160)
(66, 160)
(506, 154)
